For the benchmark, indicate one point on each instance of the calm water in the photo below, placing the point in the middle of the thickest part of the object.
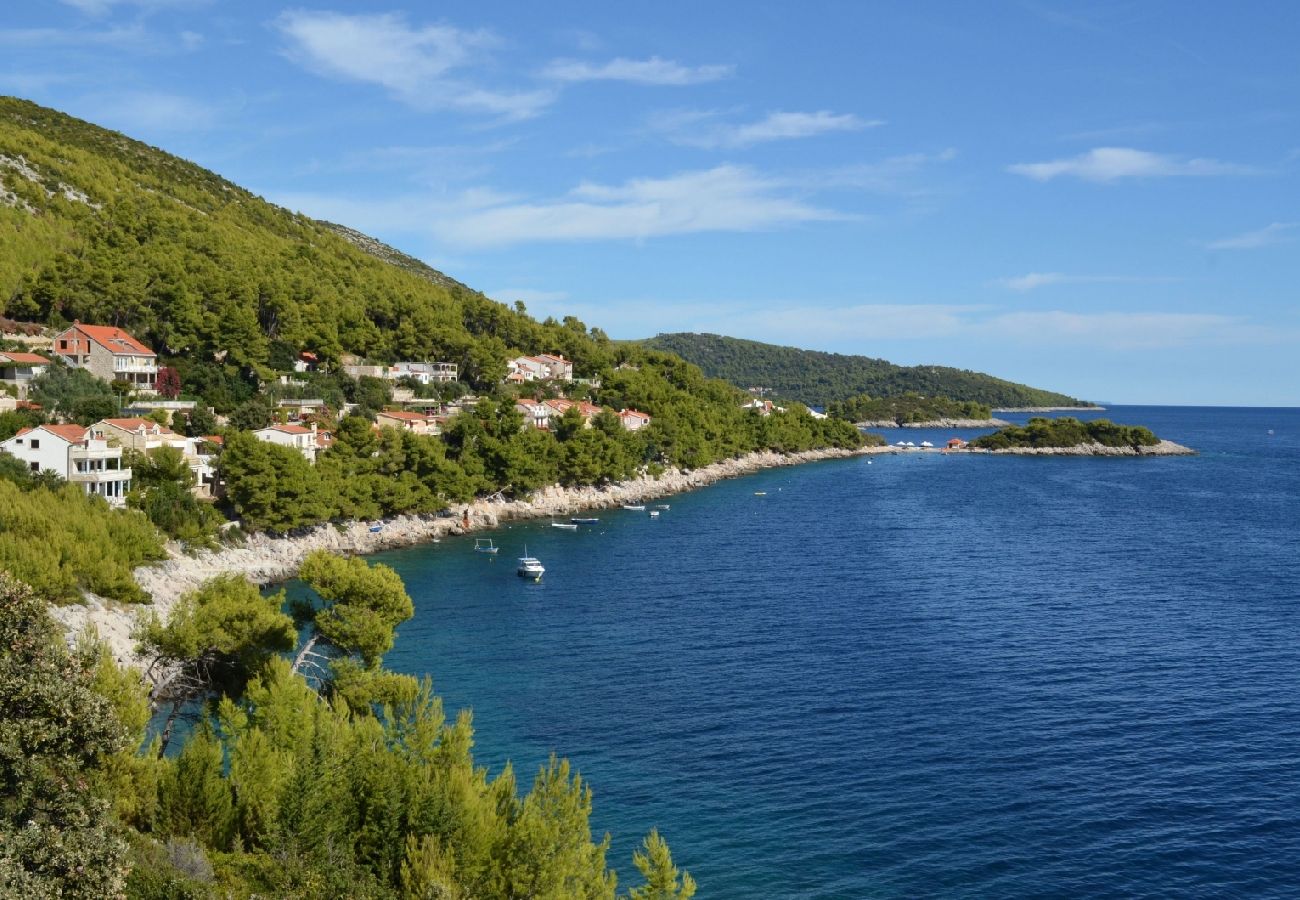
(923, 676)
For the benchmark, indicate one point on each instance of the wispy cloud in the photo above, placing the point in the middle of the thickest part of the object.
(1269, 235)
(725, 198)
(1034, 280)
(151, 112)
(415, 64)
(696, 128)
(1107, 164)
(124, 36)
(1128, 330)
(102, 7)
(654, 71)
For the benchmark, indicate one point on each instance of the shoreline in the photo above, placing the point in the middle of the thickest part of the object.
(934, 423)
(1033, 409)
(266, 559)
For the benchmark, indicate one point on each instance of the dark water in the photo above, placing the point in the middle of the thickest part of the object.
(923, 676)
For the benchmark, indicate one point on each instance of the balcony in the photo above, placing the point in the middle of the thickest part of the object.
(135, 364)
(99, 476)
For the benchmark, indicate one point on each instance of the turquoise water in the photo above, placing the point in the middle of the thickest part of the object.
(919, 676)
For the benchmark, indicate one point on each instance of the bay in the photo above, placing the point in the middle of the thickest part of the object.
(918, 675)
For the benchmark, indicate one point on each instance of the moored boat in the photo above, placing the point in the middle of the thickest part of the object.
(567, 526)
(635, 507)
(530, 567)
(584, 520)
(485, 545)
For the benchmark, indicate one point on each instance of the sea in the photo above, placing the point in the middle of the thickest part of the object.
(913, 675)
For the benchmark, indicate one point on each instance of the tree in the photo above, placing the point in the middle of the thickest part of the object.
(271, 488)
(57, 837)
(655, 863)
(252, 414)
(361, 606)
(200, 422)
(168, 383)
(216, 638)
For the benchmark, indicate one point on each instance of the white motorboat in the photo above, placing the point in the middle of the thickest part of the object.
(635, 507)
(654, 513)
(567, 526)
(531, 567)
(485, 545)
(662, 506)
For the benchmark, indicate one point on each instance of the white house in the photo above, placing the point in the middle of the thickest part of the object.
(414, 422)
(633, 420)
(535, 413)
(19, 369)
(427, 372)
(71, 452)
(304, 440)
(543, 367)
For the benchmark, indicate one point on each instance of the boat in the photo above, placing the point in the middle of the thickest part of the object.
(584, 520)
(654, 513)
(376, 526)
(567, 526)
(530, 567)
(760, 493)
(635, 507)
(662, 506)
(485, 545)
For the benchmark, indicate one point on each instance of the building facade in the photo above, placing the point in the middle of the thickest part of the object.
(110, 354)
(76, 456)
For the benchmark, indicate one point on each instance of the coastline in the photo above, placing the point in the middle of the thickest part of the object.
(265, 559)
(935, 423)
(1036, 409)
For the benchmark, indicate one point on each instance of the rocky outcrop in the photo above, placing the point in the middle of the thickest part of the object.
(1164, 448)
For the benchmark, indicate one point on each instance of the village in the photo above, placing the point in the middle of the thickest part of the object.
(152, 407)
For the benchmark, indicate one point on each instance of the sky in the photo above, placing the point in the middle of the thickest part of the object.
(1098, 198)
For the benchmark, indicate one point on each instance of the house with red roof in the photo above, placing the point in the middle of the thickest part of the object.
(414, 422)
(74, 454)
(560, 406)
(633, 419)
(543, 367)
(19, 369)
(305, 440)
(109, 353)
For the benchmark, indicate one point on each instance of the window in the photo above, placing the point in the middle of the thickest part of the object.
(36, 467)
(36, 444)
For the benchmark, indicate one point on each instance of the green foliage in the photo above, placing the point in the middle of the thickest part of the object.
(57, 838)
(655, 863)
(812, 376)
(219, 635)
(161, 481)
(74, 394)
(253, 414)
(15, 421)
(362, 605)
(271, 487)
(1067, 431)
(61, 541)
(905, 408)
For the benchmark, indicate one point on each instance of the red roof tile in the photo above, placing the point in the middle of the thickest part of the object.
(132, 424)
(114, 339)
(30, 359)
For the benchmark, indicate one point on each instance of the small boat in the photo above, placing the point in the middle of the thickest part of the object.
(635, 507)
(485, 545)
(567, 526)
(654, 513)
(376, 527)
(662, 506)
(530, 567)
(588, 520)
(760, 493)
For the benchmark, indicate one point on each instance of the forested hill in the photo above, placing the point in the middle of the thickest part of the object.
(815, 377)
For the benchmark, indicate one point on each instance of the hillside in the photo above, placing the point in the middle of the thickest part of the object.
(818, 378)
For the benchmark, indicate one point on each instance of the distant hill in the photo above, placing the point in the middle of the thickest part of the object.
(818, 378)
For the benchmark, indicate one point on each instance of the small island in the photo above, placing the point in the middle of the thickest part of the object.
(1070, 436)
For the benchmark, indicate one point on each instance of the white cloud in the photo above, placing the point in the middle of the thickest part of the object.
(1106, 164)
(101, 7)
(693, 128)
(414, 63)
(1035, 280)
(144, 112)
(128, 36)
(1276, 233)
(725, 198)
(654, 70)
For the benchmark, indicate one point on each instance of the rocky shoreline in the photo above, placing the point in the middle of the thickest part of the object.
(936, 423)
(1042, 409)
(265, 559)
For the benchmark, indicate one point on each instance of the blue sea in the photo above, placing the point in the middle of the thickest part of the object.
(914, 675)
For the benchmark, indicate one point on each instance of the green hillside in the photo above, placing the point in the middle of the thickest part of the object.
(811, 376)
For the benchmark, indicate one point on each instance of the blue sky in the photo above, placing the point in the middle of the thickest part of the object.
(1100, 198)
